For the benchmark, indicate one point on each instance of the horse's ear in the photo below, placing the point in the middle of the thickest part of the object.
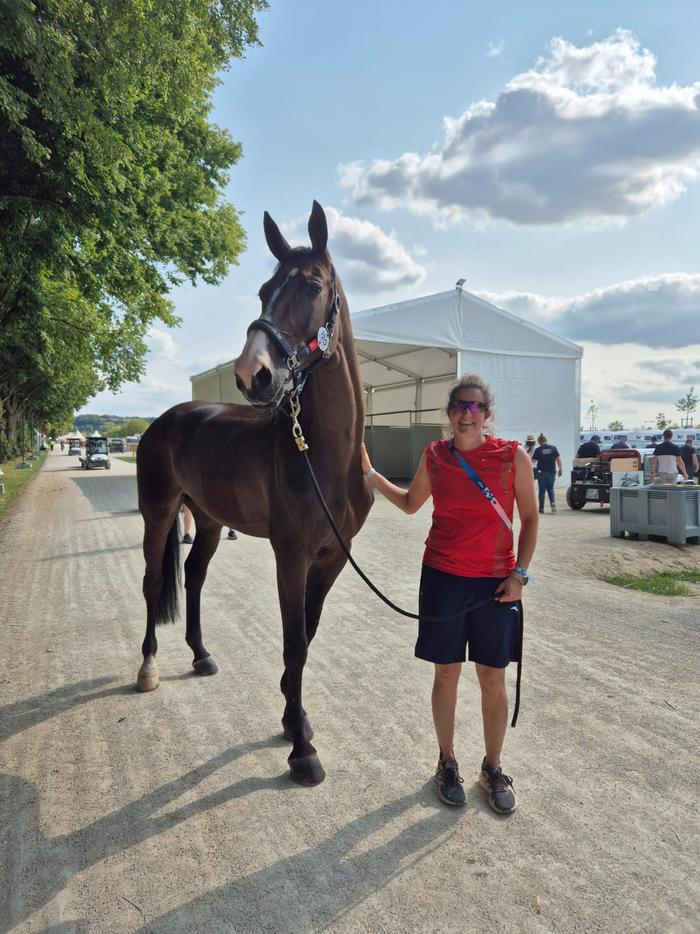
(318, 228)
(279, 247)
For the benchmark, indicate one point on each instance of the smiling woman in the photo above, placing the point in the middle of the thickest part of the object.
(471, 582)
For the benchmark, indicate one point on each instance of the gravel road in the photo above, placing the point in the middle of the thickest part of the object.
(173, 812)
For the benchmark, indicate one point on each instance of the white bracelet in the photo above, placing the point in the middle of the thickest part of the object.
(370, 473)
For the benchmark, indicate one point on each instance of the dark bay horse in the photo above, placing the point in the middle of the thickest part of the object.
(239, 466)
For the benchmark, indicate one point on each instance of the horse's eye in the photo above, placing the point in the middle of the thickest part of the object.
(313, 290)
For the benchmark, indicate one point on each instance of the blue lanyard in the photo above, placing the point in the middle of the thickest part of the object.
(473, 475)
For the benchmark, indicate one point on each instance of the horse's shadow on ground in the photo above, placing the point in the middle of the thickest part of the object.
(24, 714)
(332, 878)
(314, 889)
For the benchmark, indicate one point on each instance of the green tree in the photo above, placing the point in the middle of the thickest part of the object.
(135, 426)
(686, 406)
(111, 176)
(661, 421)
(615, 426)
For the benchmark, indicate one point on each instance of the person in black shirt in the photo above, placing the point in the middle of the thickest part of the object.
(621, 445)
(590, 448)
(690, 456)
(667, 457)
(547, 460)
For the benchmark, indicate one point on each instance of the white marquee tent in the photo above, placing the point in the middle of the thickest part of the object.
(410, 352)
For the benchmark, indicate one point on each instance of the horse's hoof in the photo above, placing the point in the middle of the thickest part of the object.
(306, 770)
(205, 666)
(148, 677)
(307, 732)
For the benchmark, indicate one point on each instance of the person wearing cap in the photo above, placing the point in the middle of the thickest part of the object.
(530, 445)
(690, 456)
(590, 448)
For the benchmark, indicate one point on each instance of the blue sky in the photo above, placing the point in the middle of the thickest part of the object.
(548, 153)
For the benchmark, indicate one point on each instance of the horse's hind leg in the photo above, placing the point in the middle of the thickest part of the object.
(160, 583)
(206, 541)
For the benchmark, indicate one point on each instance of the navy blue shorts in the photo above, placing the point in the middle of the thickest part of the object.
(492, 632)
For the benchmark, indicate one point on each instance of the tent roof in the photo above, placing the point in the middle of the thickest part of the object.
(420, 338)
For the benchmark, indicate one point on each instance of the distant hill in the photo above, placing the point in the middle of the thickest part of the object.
(106, 423)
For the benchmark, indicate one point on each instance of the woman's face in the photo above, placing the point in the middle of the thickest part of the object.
(468, 425)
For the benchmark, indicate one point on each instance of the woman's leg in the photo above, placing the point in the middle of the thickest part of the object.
(444, 702)
(494, 709)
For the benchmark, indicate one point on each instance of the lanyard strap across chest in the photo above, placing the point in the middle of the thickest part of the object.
(473, 475)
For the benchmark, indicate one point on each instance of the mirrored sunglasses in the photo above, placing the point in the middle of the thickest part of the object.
(460, 405)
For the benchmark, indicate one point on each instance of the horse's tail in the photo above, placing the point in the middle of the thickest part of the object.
(168, 598)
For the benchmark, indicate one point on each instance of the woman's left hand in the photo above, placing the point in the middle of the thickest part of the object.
(509, 590)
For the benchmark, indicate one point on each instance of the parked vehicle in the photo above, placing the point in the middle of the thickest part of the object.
(592, 477)
(96, 453)
(74, 448)
(118, 445)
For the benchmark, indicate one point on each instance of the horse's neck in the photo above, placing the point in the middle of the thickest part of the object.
(335, 394)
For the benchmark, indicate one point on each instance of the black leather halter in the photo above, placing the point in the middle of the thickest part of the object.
(295, 358)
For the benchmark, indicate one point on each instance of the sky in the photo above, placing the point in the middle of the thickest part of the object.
(548, 153)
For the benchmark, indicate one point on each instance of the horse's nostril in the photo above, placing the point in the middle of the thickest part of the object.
(240, 384)
(263, 378)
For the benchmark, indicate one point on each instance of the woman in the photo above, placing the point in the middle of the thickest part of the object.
(469, 563)
(530, 445)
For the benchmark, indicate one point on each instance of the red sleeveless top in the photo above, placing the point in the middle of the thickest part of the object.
(468, 537)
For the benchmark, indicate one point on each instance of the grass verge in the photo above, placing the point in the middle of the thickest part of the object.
(668, 584)
(129, 458)
(15, 478)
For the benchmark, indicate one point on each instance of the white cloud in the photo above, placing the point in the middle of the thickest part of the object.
(162, 344)
(660, 311)
(585, 135)
(370, 259)
(495, 49)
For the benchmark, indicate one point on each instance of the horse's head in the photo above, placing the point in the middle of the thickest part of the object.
(299, 303)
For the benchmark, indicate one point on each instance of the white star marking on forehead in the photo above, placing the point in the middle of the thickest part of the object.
(270, 307)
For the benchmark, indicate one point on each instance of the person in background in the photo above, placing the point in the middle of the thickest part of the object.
(548, 462)
(187, 523)
(590, 448)
(653, 441)
(690, 457)
(471, 579)
(530, 445)
(231, 535)
(621, 445)
(667, 459)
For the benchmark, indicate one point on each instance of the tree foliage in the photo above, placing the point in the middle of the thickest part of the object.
(615, 425)
(111, 183)
(686, 406)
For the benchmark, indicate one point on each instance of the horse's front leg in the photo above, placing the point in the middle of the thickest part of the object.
(304, 764)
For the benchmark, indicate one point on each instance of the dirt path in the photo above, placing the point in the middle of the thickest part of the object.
(172, 811)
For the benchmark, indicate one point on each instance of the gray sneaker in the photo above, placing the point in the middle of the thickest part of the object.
(449, 783)
(552, 508)
(499, 787)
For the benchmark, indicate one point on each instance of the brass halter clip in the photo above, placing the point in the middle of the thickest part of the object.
(297, 433)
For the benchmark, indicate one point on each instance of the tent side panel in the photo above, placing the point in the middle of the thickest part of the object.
(532, 394)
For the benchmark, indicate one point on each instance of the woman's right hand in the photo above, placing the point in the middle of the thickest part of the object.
(364, 458)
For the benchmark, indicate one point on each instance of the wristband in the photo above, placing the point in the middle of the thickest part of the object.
(370, 473)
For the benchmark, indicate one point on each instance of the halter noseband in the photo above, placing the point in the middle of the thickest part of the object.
(295, 358)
